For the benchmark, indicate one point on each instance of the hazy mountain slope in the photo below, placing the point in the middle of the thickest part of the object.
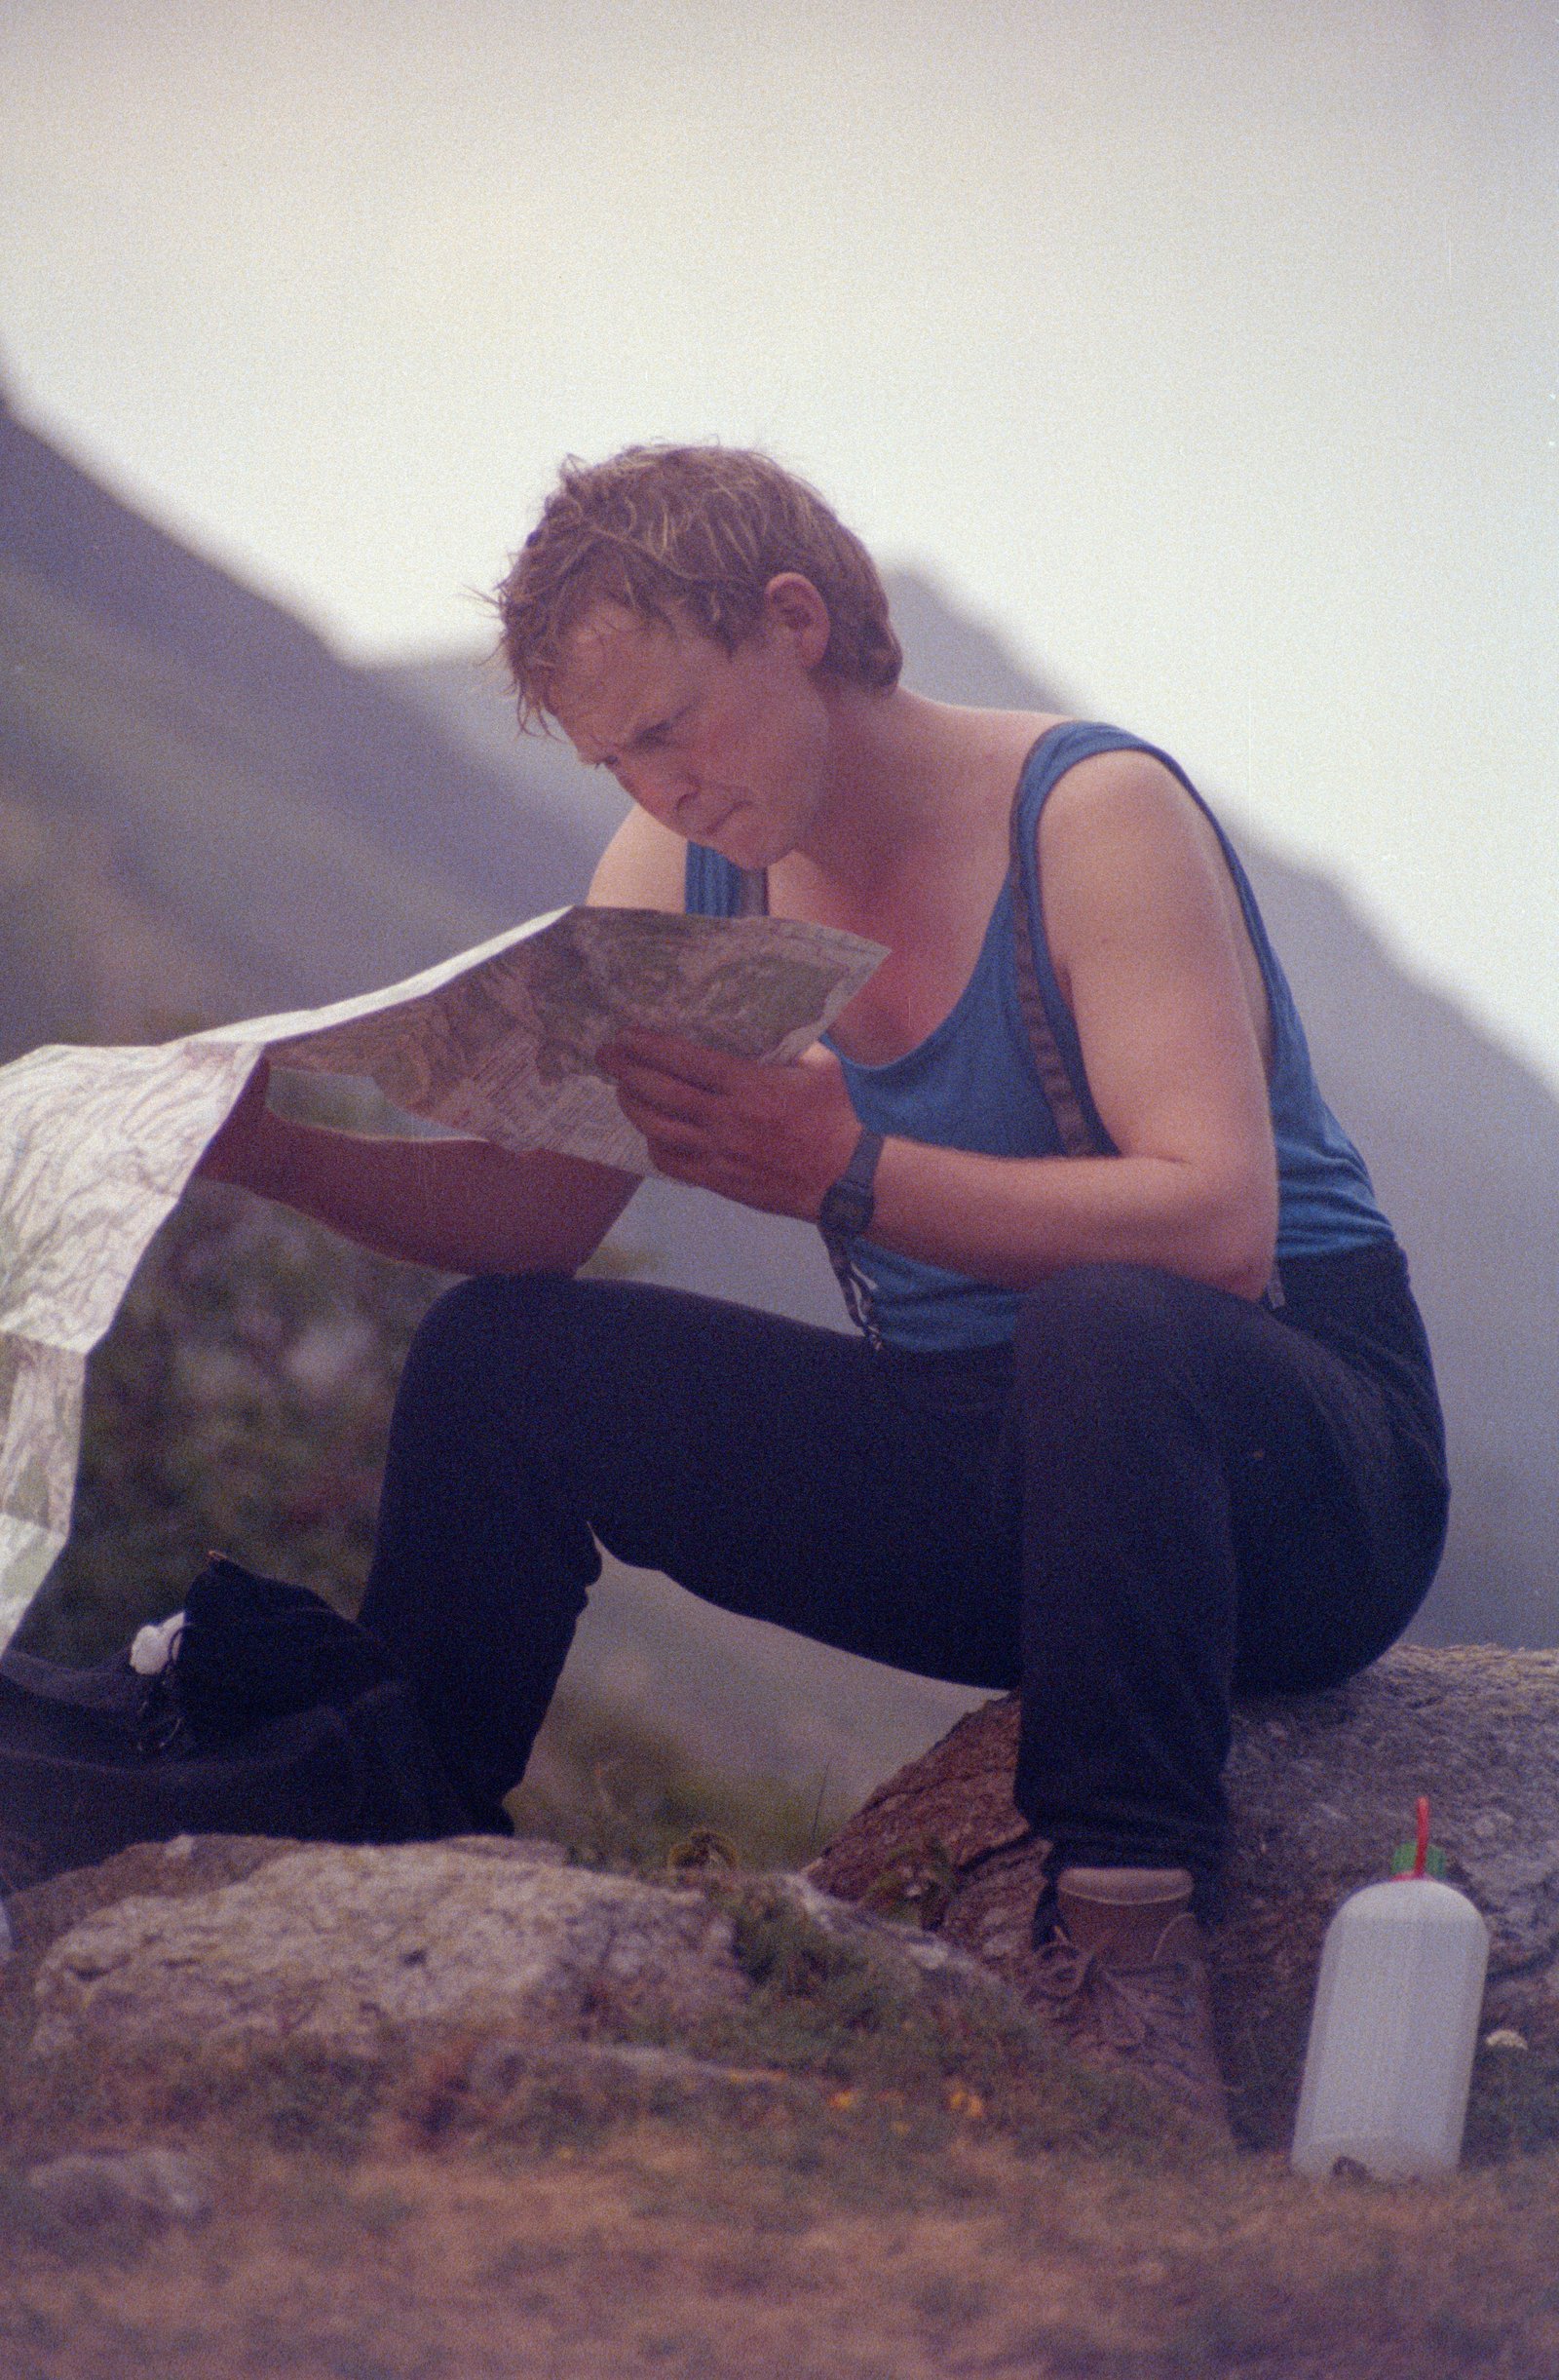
(470, 700)
(202, 810)
(1463, 1140)
(749, 1700)
(150, 822)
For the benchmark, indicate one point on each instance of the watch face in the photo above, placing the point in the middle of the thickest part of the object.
(846, 1209)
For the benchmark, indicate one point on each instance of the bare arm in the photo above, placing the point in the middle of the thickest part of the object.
(1138, 921)
(459, 1205)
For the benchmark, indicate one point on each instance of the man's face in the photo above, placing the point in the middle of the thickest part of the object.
(724, 748)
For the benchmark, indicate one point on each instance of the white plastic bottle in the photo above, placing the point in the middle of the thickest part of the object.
(1395, 2027)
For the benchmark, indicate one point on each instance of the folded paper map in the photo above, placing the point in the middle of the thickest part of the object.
(96, 1145)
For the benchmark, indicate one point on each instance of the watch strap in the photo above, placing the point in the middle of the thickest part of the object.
(860, 1174)
(843, 1217)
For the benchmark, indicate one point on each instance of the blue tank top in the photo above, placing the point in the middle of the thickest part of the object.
(972, 1083)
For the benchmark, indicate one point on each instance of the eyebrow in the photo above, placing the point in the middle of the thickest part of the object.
(653, 726)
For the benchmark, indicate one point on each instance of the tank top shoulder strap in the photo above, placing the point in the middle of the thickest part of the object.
(713, 887)
(1073, 1122)
(1051, 1031)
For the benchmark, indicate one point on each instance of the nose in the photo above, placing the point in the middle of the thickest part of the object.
(658, 785)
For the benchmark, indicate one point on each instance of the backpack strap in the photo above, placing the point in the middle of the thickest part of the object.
(1078, 1135)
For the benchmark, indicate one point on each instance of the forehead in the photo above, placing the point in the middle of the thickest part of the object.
(619, 673)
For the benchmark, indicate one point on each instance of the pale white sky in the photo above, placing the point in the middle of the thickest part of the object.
(1209, 349)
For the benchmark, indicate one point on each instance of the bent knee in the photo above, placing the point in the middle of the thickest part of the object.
(488, 1310)
(1086, 1313)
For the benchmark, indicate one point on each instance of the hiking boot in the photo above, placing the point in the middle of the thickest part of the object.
(1123, 1974)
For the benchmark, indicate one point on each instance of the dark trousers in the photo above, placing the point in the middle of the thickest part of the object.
(1159, 1496)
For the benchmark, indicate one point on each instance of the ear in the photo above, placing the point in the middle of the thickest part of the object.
(794, 610)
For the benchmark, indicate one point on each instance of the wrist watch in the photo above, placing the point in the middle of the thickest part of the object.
(843, 1217)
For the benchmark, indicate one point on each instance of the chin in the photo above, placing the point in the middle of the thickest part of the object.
(742, 841)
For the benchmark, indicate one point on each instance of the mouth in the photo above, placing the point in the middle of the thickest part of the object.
(705, 830)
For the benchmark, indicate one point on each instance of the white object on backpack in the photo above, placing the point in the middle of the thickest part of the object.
(151, 1648)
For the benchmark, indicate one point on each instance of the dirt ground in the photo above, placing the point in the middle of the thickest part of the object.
(673, 2254)
(379, 2225)
(849, 2186)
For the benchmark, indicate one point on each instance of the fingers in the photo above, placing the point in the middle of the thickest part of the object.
(667, 1053)
(693, 1135)
(658, 1123)
(770, 1136)
(646, 1090)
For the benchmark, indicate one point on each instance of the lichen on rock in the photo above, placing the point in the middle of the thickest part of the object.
(345, 1942)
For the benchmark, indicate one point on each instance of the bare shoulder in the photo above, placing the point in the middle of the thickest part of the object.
(1123, 785)
(1124, 846)
(1125, 811)
(1136, 887)
(644, 866)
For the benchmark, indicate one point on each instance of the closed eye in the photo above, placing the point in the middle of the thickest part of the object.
(650, 739)
(659, 732)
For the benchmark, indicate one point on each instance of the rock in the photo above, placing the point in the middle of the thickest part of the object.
(154, 2186)
(343, 1942)
(232, 1935)
(186, 1864)
(634, 2074)
(489, 1963)
(1321, 1790)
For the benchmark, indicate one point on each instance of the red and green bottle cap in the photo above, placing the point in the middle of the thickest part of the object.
(1421, 1856)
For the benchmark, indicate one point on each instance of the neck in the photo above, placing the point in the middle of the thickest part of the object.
(898, 763)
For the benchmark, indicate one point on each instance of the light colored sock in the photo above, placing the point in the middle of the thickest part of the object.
(1125, 1888)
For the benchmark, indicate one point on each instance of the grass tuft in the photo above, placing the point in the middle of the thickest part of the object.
(1515, 2106)
(296, 2095)
(620, 1794)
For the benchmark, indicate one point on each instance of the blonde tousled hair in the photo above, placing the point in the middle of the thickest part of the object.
(696, 532)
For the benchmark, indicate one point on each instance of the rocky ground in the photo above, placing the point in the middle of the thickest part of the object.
(765, 2137)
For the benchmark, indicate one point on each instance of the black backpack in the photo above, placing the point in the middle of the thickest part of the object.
(274, 1715)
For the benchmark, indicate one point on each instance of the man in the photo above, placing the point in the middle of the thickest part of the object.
(1091, 1440)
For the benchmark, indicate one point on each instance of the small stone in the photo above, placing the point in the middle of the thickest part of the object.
(155, 2185)
(1506, 2037)
(180, 1847)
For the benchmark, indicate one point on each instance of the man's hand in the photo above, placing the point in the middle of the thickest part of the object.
(769, 1136)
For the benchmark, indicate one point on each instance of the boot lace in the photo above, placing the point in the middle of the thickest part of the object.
(1149, 2010)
